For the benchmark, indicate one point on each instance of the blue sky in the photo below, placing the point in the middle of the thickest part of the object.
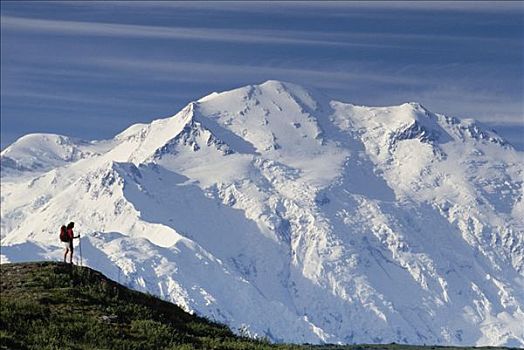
(90, 69)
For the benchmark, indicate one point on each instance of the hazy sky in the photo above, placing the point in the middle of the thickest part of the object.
(90, 69)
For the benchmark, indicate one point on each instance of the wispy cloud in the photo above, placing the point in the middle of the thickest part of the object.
(276, 6)
(250, 36)
(168, 69)
(159, 32)
(477, 6)
(82, 98)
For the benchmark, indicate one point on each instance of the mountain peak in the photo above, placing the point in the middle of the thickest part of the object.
(274, 90)
(282, 86)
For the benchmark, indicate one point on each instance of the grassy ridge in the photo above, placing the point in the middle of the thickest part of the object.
(57, 306)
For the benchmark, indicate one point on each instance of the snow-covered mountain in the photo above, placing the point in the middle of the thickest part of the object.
(285, 214)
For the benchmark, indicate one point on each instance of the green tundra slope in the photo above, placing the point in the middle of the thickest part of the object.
(50, 305)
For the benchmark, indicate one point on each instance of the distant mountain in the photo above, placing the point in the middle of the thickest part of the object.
(280, 212)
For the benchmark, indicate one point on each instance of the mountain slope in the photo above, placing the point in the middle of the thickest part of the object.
(352, 224)
(48, 305)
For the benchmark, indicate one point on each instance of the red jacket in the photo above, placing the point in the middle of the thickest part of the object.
(70, 234)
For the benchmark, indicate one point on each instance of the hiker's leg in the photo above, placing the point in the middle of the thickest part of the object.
(71, 252)
(65, 254)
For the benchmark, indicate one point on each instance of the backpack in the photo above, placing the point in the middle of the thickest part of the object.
(63, 234)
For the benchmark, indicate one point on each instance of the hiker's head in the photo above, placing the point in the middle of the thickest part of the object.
(70, 225)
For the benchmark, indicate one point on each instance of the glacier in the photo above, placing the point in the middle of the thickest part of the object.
(288, 215)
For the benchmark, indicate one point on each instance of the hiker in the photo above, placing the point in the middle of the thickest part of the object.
(68, 241)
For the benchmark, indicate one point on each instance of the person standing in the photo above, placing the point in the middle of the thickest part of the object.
(69, 243)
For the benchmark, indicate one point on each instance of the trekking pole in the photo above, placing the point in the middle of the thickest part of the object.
(80, 248)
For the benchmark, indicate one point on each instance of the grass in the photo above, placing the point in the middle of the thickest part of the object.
(49, 305)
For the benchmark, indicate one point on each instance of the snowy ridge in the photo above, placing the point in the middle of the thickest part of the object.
(279, 211)
(39, 153)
